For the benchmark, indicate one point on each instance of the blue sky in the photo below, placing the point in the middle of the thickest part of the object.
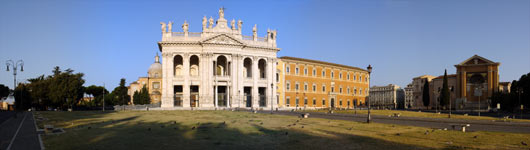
(401, 39)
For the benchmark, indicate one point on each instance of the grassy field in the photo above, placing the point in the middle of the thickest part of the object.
(418, 114)
(244, 130)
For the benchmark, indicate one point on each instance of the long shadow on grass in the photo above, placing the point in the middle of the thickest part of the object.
(129, 134)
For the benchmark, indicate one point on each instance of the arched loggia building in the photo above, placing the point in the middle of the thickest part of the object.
(218, 67)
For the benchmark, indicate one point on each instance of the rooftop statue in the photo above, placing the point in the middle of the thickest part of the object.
(254, 30)
(169, 26)
(221, 12)
(211, 22)
(204, 23)
(233, 24)
(185, 26)
(163, 27)
(239, 24)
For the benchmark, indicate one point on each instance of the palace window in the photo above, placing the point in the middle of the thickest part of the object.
(314, 101)
(348, 76)
(332, 89)
(296, 70)
(277, 77)
(287, 69)
(305, 71)
(297, 87)
(354, 78)
(288, 86)
(348, 90)
(297, 101)
(156, 85)
(332, 74)
(305, 87)
(314, 87)
(323, 102)
(287, 101)
(314, 72)
(340, 75)
(305, 101)
(360, 91)
(340, 90)
(323, 73)
(323, 88)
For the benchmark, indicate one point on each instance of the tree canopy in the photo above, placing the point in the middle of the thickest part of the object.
(142, 97)
(4, 91)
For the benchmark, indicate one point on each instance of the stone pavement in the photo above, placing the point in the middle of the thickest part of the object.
(440, 123)
(19, 133)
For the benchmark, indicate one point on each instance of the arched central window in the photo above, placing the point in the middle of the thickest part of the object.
(177, 65)
(194, 65)
(247, 72)
(262, 65)
(221, 68)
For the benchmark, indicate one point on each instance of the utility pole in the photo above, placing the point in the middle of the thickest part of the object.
(103, 96)
(369, 68)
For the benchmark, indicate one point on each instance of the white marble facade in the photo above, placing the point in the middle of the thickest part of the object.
(219, 66)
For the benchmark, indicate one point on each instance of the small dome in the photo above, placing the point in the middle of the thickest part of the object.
(155, 70)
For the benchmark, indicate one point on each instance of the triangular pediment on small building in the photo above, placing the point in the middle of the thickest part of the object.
(476, 60)
(222, 39)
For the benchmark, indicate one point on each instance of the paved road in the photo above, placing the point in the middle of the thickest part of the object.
(19, 133)
(476, 125)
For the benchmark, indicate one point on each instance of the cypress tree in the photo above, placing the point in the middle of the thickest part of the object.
(444, 97)
(426, 97)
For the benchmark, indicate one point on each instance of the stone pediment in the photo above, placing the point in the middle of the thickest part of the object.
(476, 60)
(222, 39)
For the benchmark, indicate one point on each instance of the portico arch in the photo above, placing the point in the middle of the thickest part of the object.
(247, 64)
(262, 65)
(177, 65)
(194, 65)
(221, 66)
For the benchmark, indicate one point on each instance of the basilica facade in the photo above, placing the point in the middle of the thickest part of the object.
(218, 67)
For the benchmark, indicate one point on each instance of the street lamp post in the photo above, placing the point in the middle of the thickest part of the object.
(451, 89)
(239, 101)
(15, 66)
(369, 118)
(519, 91)
(103, 96)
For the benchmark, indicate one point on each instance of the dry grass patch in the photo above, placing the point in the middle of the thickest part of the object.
(244, 130)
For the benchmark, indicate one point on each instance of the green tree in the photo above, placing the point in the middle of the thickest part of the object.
(142, 97)
(66, 88)
(23, 99)
(426, 97)
(120, 93)
(97, 93)
(4, 91)
(136, 98)
(444, 97)
(39, 91)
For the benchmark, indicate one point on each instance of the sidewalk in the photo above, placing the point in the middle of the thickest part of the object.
(19, 133)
